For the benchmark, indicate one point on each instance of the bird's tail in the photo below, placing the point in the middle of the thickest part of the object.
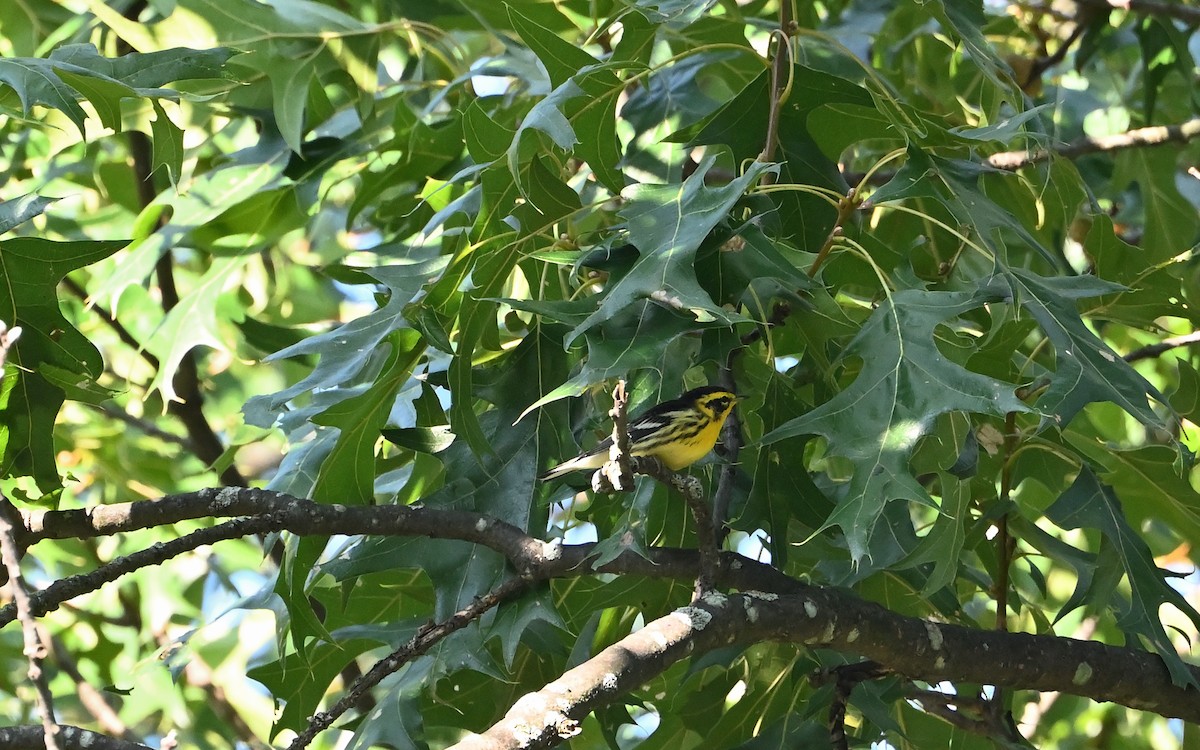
(586, 461)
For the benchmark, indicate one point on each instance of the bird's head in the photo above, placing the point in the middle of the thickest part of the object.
(713, 401)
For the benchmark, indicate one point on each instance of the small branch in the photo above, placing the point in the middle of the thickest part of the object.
(693, 492)
(949, 708)
(1042, 64)
(65, 589)
(427, 637)
(111, 321)
(1156, 135)
(1005, 544)
(617, 475)
(846, 206)
(70, 738)
(845, 677)
(780, 68)
(146, 427)
(35, 650)
(975, 715)
(1166, 345)
(89, 697)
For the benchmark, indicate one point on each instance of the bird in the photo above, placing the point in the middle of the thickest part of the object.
(678, 432)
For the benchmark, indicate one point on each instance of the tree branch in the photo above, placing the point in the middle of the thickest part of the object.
(693, 493)
(917, 649)
(1166, 345)
(1156, 135)
(65, 589)
(795, 611)
(427, 637)
(844, 678)
(70, 738)
(34, 649)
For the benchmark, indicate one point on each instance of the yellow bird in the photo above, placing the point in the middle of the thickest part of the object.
(678, 432)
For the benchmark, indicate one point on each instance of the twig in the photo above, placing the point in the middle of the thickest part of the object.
(845, 677)
(111, 321)
(189, 409)
(10, 550)
(617, 475)
(1156, 135)
(693, 493)
(846, 206)
(1166, 345)
(975, 715)
(35, 650)
(89, 697)
(780, 68)
(427, 637)
(145, 426)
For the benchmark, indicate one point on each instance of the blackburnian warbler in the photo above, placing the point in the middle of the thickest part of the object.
(678, 432)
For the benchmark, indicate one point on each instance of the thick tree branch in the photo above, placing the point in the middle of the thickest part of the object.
(1151, 136)
(70, 738)
(916, 648)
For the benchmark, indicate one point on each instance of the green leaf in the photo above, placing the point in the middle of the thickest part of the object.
(1150, 486)
(549, 200)
(1087, 369)
(965, 18)
(1090, 504)
(168, 143)
(348, 472)
(192, 323)
(20, 210)
(904, 384)
(781, 488)
(104, 81)
(423, 439)
(487, 140)
(30, 272)
(199, 202)
(346, 350)
(667, 223)
(561, 58)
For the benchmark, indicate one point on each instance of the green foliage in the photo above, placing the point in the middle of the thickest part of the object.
(400, 252)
